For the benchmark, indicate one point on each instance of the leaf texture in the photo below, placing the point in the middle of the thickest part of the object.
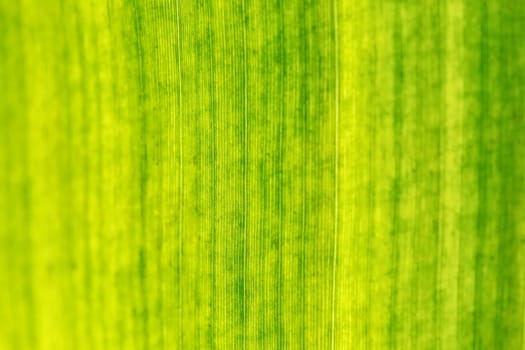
(240, 174)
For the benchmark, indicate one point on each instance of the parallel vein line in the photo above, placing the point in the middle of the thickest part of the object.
(245, 166)
(181, 179)
(336, 165)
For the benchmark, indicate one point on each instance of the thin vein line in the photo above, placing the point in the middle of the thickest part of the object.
(214, 146)
(245, 199)
(336, 166)
(281, 130)
(181, 179)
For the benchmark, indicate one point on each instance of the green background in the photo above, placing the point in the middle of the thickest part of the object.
(249, 174)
